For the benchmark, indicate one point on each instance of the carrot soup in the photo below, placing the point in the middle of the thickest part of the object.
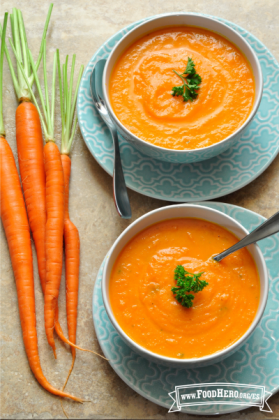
(145, 307)
(142, 80)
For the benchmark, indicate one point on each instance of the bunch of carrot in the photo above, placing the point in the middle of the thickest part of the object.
(45, 175)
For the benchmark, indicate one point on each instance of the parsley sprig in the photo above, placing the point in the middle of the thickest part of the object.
(186, 282)
(191, 81)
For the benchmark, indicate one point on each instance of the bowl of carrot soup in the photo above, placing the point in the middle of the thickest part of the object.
(182, 87)
(170, 301)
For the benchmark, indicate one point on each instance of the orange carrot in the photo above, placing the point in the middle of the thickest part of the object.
(29, 137)
(54, 234)
(54, 250)
(71, 235)
(14, 219)
(32, 170)
(31, 164)
(48, 151)
(54, 184)
(72, 251)
(15, 223)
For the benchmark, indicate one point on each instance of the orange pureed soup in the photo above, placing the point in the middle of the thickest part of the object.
(145, 307)
(142, 80)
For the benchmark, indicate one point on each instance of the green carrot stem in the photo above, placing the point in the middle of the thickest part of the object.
(33, 66)
(72, 135)
(16, 40)
(53, 92)
(65, 88)
(12, 26)
(21, 47)
(60, 90)
(44, 36)
(29, 87)
(51, 120)
(69, 122)
(3, 35)
(24, 43)
(14, 78)
(48, 122)
(76, 93)
(67, 104)
(46, 85)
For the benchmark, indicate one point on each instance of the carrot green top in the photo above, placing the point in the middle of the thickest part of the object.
(21, 47)
(67, 105)
(27, 73)
(47, 117)
(3, 45)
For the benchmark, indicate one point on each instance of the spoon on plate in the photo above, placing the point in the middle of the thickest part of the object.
(120, 194)
(268, 228)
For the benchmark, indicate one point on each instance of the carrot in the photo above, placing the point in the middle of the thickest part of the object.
(54, 191)
(54, 198)
(33, 180)
(47, 125)
(39, 175)
(29, 139)
(54, 234)
(15, 223)
(71, 234)
(42, 190)
(54, 241)
(72, 250)
(31, 164)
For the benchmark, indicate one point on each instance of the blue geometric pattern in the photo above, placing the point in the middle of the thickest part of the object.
(256, 363)
(206, 180)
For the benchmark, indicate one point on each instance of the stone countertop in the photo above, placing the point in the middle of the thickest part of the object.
(81, 27)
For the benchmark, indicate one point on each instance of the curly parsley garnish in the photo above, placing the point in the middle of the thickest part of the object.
(186, 282)
(191, 81)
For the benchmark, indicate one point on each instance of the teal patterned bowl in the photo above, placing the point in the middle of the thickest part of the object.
(172, 212)
(255, 363)
(187, 19)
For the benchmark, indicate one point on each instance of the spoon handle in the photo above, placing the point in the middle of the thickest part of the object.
(268, 228)
(120, 194)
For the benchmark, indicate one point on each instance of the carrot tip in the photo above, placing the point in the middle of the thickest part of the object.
(64, 411)
(54, 352)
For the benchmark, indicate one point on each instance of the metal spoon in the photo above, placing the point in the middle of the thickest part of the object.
(268, 228)
(120, 193)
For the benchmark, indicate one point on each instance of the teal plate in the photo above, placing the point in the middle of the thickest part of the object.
(206, 180)
(256, 363)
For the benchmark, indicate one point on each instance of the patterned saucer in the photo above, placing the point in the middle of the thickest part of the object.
(256, 363)
(206, 180)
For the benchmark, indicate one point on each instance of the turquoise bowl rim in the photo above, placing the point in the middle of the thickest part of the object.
(174, 362)
(193, 155)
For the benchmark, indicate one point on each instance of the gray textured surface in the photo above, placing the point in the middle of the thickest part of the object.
(81, 27)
